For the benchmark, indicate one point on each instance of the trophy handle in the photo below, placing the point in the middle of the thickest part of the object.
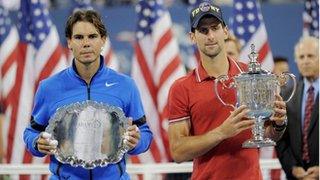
(293, 77)
(221, 79)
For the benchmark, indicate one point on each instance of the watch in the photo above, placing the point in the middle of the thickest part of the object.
(279, 127)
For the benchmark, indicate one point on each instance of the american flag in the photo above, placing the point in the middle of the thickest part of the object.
(194, 58)
(311, 18)
(110, 58)
(247, 25)
(27, 56)
(156, 65)
(274, 174)
(11, 64)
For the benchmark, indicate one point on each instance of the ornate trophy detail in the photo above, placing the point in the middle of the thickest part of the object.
(89, 134)
(256, 89)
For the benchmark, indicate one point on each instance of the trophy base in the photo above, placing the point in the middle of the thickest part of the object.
(251, 143)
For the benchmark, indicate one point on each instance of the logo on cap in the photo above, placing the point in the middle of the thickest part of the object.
(204, 7)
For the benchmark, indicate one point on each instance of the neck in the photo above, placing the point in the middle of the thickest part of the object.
(311, 79)
(86, 71)
(215, 66)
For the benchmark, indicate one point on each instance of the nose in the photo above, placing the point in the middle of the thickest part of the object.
(86, 42)
(211, 34)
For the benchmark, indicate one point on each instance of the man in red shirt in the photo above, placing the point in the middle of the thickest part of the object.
(201, 128)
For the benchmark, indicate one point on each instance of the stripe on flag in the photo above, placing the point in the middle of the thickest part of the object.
(156, 65)
(248, 26)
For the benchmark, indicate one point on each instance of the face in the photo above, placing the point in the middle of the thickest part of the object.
(86, 43)
(307, 59)
(232, 50)
(280, 67)
(209, 36)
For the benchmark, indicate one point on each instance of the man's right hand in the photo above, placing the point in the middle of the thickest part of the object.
(299, 172)
(45, 144)
(236, 122)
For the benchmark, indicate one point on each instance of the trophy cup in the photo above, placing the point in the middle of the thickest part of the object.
(256, 89)
(89, 134)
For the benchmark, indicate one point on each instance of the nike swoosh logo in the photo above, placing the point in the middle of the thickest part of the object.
(110, 84)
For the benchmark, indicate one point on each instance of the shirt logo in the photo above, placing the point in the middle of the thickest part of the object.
(110, 84)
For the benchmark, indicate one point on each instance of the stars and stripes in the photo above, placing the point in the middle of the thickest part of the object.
(194, 58)
(311, 18)
(248, 26)
(43, 57)
(27, 55)
(156, 65)
(11, 64)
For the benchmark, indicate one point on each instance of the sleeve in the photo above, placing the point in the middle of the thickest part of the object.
(135, 110)
(285, 155)
(178, 102)
(37, 123)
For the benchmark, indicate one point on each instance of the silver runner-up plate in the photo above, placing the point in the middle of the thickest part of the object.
(89, 134)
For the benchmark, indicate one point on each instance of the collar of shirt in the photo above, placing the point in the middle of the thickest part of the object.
(201, 73)
(307, 84)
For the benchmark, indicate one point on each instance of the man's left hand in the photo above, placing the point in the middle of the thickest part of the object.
(279, 115)
(313, 173)
(132, 136)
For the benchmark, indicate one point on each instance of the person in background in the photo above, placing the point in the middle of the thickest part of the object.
(86, 79)
(298, 149)
(281, 65)
(201, 128)
(233, 47)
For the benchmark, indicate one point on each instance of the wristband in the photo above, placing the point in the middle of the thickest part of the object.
(35, 143)
(279, 128)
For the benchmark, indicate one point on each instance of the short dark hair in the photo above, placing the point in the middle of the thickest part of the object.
(90, 16)
(280, 59)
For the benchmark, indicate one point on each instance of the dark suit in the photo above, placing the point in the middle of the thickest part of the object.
(289, 148)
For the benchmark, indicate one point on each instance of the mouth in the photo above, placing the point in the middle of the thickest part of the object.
(86, 53)
(211, 45)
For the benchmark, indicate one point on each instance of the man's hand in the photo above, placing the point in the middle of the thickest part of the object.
(279, 115)
(236, 122)
(299, 172)
(312, 173)
(132, 136)
(45, 144)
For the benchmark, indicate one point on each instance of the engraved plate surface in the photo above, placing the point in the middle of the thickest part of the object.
(89, 134)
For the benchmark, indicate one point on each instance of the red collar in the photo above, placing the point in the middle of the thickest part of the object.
(201, 73)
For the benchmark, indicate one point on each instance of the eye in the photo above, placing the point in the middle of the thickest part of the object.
(310, 55)
(203, 30)
(78, 37)
(301, 57)
(92, 36)
(214, 28)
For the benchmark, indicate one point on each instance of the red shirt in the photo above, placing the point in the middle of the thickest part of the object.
(193, 97)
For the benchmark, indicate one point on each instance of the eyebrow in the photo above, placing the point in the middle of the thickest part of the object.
(93, 34)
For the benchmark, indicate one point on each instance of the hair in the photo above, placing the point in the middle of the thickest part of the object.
(90, 16)
(233, 38)
(280, 59)
(306, 39)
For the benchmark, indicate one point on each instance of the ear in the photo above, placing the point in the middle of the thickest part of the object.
(226, 32)
(104, 39)
(192, 37)
(69, 43)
